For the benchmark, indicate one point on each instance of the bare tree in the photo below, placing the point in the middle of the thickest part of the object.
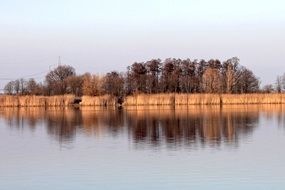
(167, 76)
(153, 72)
(211, 80)
(279, 84)
(283, 82)
(248, 82)
(129, 84)
(176, 75)
(92, 85)
(56, 79)
(23, 84)
(114, 84)
(9, 88)
(188, 77)
(74, 85)
(201, 67)
(268, 88)
(33, 88)
(138, 76)
(231, 74)
(17, 86)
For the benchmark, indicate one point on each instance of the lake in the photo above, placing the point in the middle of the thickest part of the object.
(195, 147)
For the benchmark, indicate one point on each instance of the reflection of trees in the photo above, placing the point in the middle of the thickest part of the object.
(186, 126)
(64, 123)
(20, 118)
(180, 126)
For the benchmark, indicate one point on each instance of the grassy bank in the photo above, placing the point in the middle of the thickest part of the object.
(143, 100)
(203, 99)
(105, 100)
(36, 101)
(55, 101)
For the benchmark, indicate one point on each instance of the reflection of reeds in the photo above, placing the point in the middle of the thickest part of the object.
(195, 122)
(151, 124)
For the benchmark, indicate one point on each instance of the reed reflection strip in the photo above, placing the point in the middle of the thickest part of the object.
(147, 125)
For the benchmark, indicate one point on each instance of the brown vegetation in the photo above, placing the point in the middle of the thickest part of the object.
(155, 82)
(151, 77)
(56, 101)
(170, 99)
(203, 99)
(36, 101)
(106, 100)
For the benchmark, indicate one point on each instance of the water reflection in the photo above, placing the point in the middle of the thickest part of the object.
(187, 126)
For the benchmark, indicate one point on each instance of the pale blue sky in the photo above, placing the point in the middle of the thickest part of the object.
(100, 36)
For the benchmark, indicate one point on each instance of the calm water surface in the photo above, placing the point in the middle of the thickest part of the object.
(237, 147)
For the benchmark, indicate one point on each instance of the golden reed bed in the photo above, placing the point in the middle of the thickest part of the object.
(143, 100)
(36, 101)
(54, 101)
(203, 99)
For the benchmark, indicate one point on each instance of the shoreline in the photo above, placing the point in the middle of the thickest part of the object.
(163, 99)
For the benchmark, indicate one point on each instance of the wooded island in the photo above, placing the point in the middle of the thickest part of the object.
(155, 82)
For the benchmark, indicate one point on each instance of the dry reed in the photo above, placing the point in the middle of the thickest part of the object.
(203, 99)
(36, 101)
(105, 100)
(143, 100)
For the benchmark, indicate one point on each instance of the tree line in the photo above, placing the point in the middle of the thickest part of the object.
(150, 77)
